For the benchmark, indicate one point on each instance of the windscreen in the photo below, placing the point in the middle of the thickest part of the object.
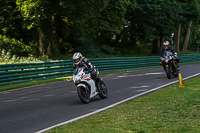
(77, 70)
(167, 54)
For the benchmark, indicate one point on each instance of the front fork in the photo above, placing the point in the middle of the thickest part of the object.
(165, 66)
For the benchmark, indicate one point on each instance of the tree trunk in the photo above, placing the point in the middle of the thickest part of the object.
(51, 37)
(187, 37)
(41, 48)
(156, 44)
(161, 42)
(49, 50)
(177, 37)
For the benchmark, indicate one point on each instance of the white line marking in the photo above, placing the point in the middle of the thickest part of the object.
(113, 105)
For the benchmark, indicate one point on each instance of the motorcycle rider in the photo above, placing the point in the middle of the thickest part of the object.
(167, 47)
(80, 61)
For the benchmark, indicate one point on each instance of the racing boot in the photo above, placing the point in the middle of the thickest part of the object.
(178, 67)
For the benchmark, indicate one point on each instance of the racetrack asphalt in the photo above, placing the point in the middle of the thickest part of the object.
(31, 109)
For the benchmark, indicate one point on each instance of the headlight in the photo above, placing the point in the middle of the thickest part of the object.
(77, 79)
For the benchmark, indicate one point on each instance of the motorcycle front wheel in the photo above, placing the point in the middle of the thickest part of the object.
(103, 90)
(169, 71)
(84, 94)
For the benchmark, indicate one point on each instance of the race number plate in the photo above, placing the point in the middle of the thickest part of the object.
(166, 65)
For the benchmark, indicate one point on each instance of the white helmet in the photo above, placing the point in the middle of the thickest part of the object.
(77, 57)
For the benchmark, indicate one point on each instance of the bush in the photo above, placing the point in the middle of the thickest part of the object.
(7, 58)
(90, 48)
(15, 47)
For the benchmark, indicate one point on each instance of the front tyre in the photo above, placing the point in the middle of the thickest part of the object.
(103, 92)
(169, 72)
(84, 94)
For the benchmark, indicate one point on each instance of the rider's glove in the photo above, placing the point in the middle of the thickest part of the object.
(175, 55)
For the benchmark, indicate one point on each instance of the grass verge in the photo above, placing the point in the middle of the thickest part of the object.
(171, 109)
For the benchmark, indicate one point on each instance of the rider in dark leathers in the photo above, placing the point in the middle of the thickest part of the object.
(167, 47)
(80, 61)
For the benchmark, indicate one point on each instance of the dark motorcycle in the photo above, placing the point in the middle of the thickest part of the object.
(170, 64)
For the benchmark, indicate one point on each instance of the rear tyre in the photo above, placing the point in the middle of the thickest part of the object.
(176, 75)
(84, 94)
(177, 70)
(103, 92)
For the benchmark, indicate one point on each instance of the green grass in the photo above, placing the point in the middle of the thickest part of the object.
(168, 110)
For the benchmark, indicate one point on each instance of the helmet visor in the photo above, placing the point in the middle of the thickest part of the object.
(165, 47)
(76, 60)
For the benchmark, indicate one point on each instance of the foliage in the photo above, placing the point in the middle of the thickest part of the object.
(80, 20)
(9, 18)
(62, 27)
(15, 47)
(7, 58)
(98, 22)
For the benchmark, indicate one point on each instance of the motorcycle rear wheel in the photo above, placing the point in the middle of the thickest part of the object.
(103, 90)
(84, 94)
(176, 70)
(176, 75)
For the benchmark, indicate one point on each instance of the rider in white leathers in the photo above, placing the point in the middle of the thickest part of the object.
(80, 61)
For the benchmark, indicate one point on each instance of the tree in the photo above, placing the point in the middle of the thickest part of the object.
(80, 19)
(149, 22)
(192, 13)
(10, 19)
(186, 11)
(187, 36)
(40, 14)
(96, 27)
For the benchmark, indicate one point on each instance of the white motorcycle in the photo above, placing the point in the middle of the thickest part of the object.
(86, 87)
